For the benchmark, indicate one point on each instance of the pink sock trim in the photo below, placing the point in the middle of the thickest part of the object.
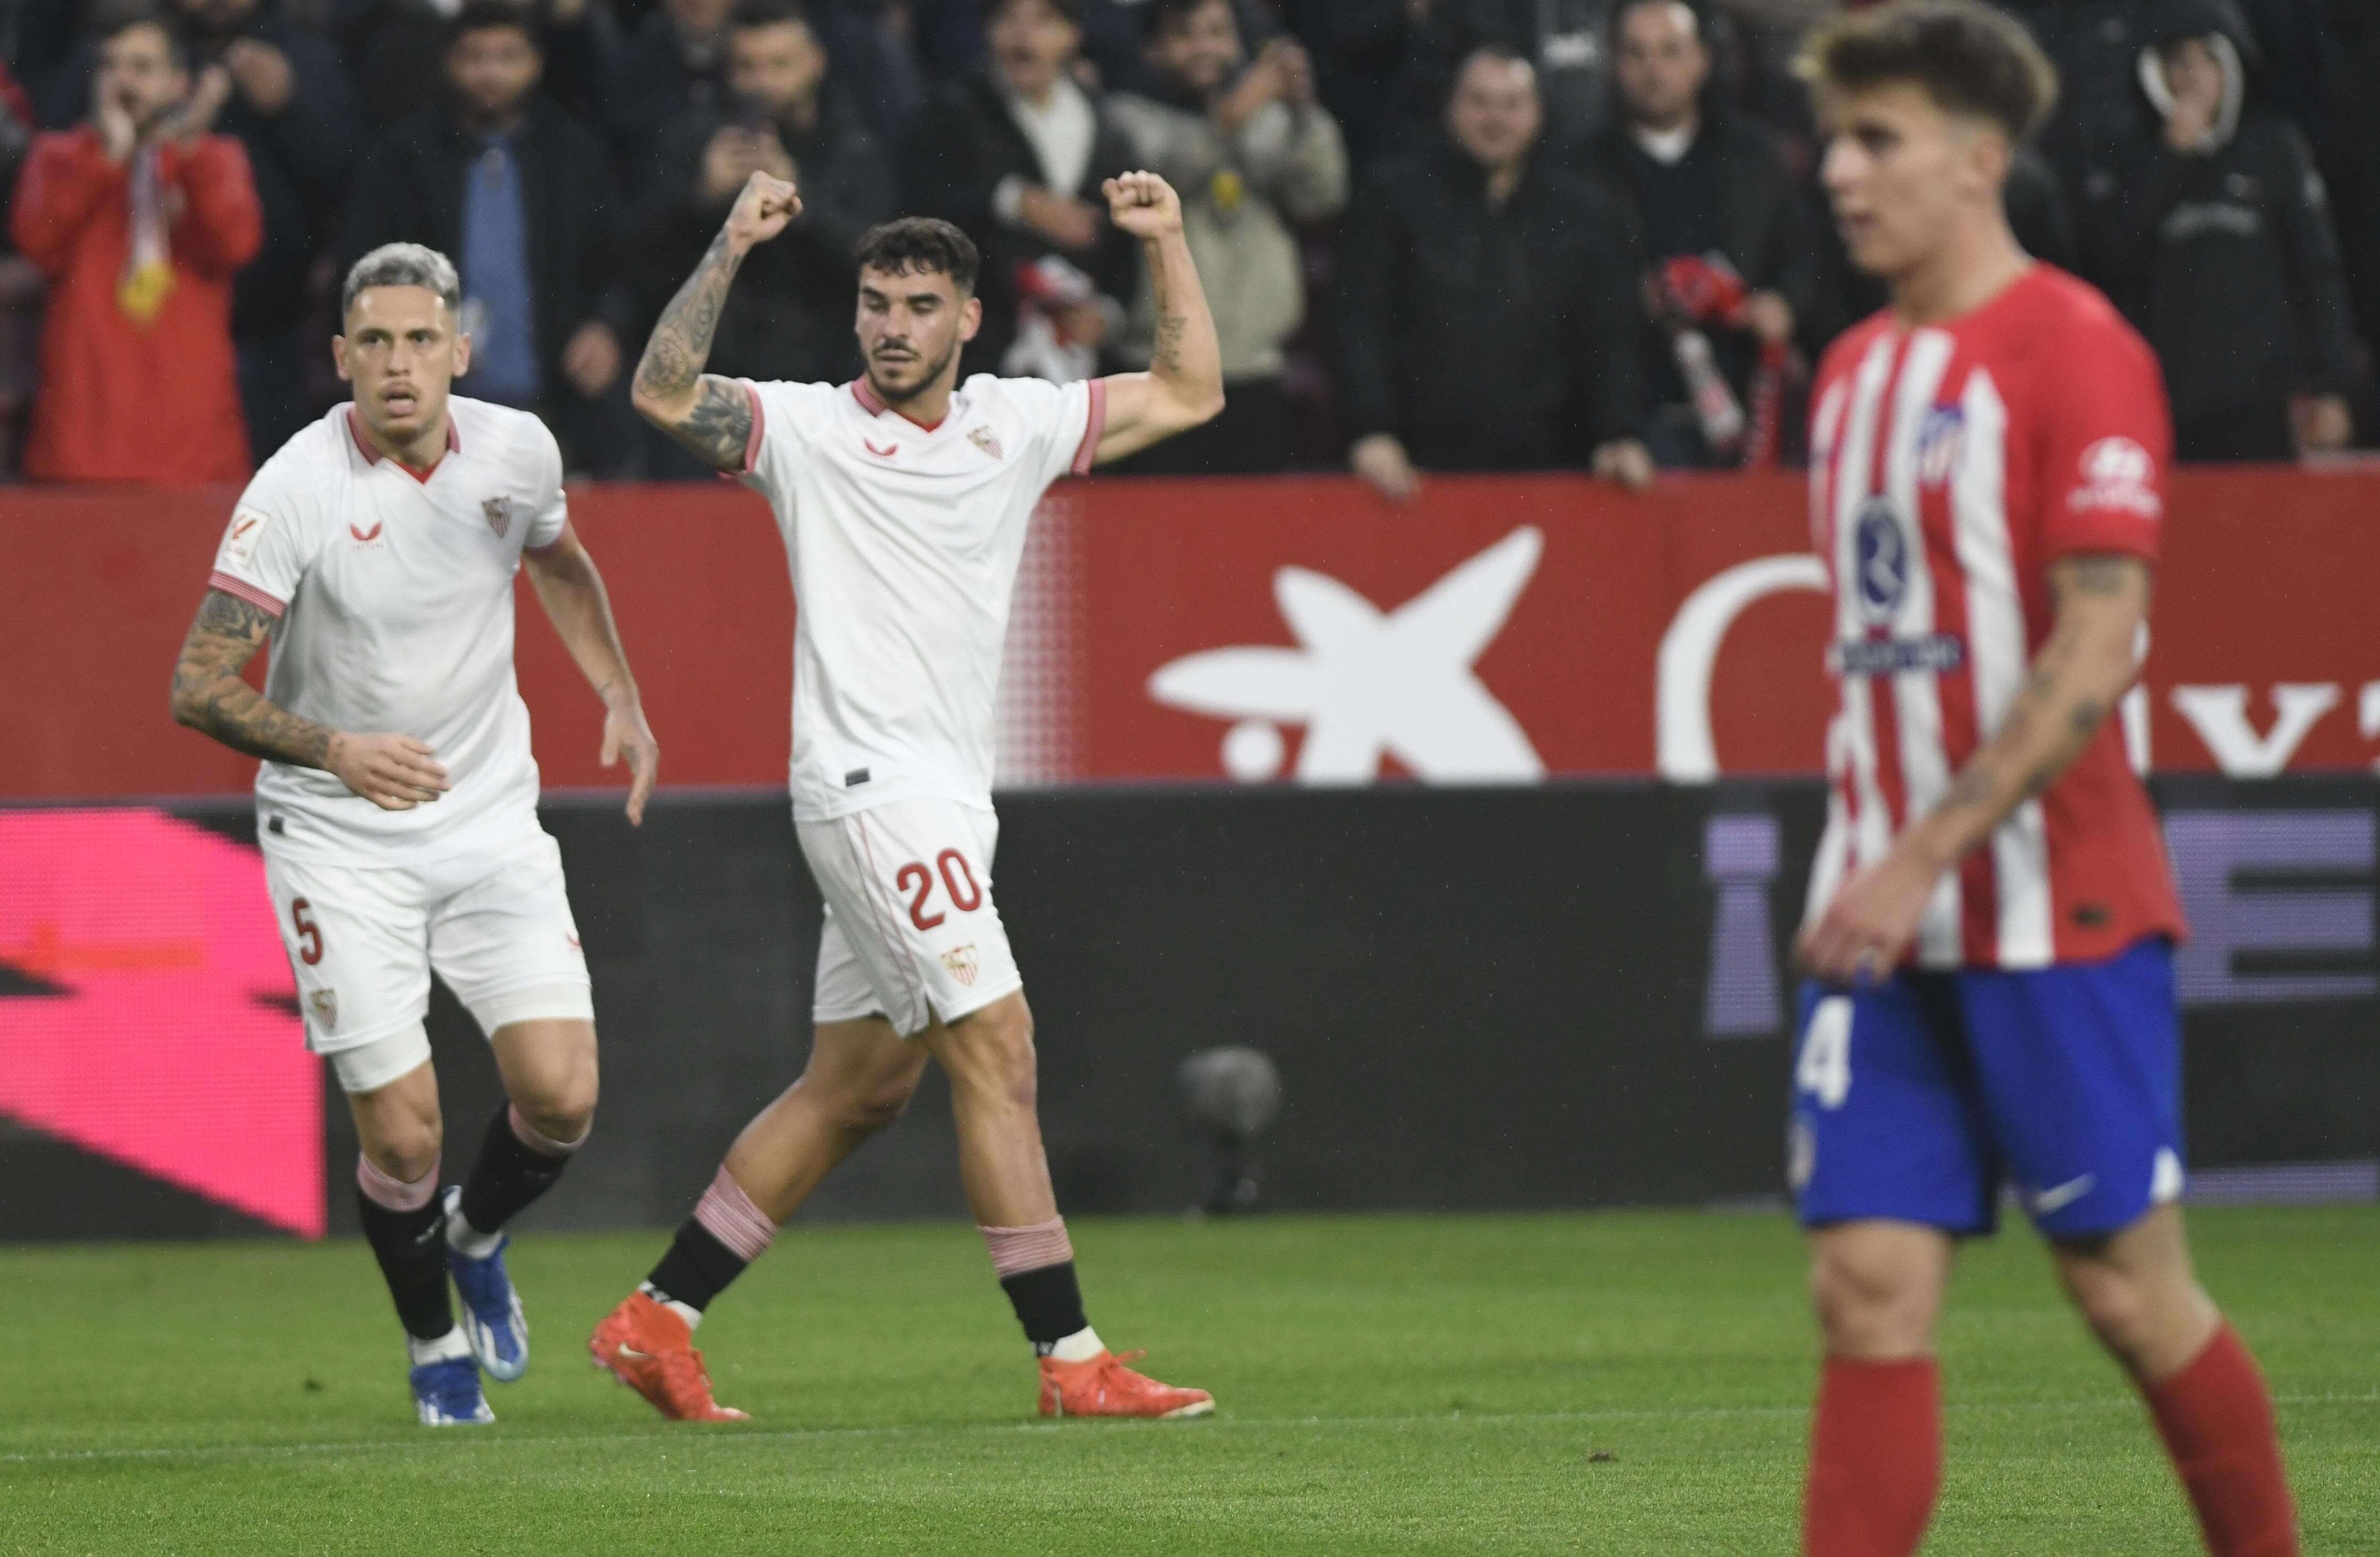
(1017, 1249)
(383, 1189)
(545, 1146)
(730, 1217)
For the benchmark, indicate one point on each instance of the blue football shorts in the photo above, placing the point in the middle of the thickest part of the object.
(1917, 1098)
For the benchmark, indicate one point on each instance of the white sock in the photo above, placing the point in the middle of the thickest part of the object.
(446, 1348)
(467, 1240)
(1081, 1346)
(687, 1311)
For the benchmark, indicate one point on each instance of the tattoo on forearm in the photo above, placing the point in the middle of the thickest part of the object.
(680, 342)
(210, 695)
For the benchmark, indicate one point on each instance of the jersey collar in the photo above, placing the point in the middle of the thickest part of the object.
(870, 402)
(373, 456)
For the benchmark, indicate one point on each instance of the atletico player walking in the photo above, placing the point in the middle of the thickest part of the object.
(1991, 916)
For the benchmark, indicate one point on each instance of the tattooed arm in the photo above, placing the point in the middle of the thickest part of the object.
(1184, 385)
(2100, 599)
(713, 416)
(395, 772)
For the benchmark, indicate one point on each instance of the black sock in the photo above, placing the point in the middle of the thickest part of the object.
(411, 1249)
(697, 1268)
(508, 1175)
(1049, 1304)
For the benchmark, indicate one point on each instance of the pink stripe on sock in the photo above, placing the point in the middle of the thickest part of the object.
(730, 1217)
(1018, 1249)
(383, 1190)
(545, 1146)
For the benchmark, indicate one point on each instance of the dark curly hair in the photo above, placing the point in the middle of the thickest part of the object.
(925, 244)
(1967, 56)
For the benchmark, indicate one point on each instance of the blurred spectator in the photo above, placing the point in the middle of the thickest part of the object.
(397, 51)
(520, 195)
(292, 110)
(139, 219)
(675, 60)
(2352, 175)
(21, 280)
(1387, 66)
(1014, 155)
(790, 313)
(875, 64)
(2216, 239)
(1706, 201)
(1487, 314)
(1251, 153)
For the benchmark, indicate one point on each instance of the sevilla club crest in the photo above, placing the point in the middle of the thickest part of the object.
(326, 1008)
(499, 515)
(984, 439)
(962, 964)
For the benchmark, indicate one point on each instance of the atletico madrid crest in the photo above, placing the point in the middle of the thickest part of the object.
(499, 515)
(326, 1008)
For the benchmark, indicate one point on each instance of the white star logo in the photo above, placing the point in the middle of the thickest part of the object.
(1367, 684)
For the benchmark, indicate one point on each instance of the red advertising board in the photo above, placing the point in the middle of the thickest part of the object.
(1499, 629)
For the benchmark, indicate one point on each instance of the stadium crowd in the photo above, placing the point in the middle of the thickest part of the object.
(1438, 234)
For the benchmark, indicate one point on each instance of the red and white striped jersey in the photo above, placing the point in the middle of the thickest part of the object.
(1950, 465)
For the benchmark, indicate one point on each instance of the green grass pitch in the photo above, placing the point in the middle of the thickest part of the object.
(1624, 1382)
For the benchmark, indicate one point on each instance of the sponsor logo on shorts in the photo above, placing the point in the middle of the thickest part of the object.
(2057, 1196)
(326, 1008)
(962, 964)
(499, 511)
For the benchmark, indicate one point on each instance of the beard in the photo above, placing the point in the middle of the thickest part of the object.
(930, 377)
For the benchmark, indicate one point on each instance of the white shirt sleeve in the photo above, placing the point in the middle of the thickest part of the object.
(552, 514)
(1065, 421)
(273, 538)
(784, 415)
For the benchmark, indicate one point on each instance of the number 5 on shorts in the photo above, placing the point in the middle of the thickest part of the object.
(1825, 1068)
(308, 933)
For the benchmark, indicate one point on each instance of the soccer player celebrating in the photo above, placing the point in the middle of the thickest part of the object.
(397, 803)
(903, 499)
(1991, 916)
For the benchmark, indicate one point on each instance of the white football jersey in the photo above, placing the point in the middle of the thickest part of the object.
(903, 541)
(394, 594)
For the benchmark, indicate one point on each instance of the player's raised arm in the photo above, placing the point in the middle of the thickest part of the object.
(1184, 385)
(571, 589)
(713, 416)
(395, 772)
(2091, 658)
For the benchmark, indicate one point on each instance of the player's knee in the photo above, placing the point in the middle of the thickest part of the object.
(997, 1043)
(563, 1106)
(1871, 1302)
(877, 1105)
(2116, 1303)
(405, 1148)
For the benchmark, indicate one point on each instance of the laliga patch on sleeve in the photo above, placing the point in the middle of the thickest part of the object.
(241, 537)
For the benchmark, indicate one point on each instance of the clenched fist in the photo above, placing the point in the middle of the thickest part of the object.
(761, 210)
(1143, 204)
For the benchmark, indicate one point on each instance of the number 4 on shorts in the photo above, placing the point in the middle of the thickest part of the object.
(1825, 1068)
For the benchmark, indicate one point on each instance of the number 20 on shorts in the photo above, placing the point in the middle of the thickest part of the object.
(1825, 1068)
(917, 883)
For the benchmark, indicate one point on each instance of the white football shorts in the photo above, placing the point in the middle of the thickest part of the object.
(364, 939)
(911, 932)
